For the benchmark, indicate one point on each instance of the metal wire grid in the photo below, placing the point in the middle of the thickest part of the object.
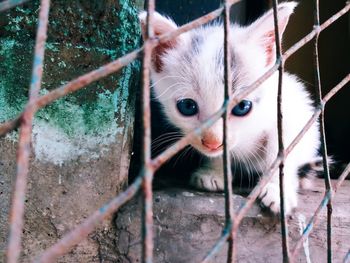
(144, 180)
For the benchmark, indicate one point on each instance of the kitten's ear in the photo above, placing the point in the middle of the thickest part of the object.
(262, 31)
(161, 25)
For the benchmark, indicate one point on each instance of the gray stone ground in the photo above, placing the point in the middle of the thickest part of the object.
(188, 223)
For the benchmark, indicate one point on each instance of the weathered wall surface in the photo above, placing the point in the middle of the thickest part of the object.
(81, 143)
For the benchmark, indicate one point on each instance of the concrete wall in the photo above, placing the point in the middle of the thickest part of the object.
(81, 143)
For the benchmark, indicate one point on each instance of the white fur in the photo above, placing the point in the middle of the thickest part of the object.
(201, 79)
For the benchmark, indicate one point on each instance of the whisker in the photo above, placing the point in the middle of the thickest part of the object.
(181, 155)
(168, 88)
(167, 77)
(168, 134)
(164, 141)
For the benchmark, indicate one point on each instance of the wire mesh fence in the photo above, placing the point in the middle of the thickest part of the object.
(149, 165)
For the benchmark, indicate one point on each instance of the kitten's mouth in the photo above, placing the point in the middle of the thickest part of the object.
(212, 152)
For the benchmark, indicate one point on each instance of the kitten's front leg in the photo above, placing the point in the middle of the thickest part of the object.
(270, 194)
(210, 177)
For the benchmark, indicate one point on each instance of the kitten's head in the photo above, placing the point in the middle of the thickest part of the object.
(187, 75)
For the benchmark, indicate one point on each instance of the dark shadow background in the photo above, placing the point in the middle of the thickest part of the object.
(334, 54)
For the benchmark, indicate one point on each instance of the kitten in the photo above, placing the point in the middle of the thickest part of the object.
(187, 74)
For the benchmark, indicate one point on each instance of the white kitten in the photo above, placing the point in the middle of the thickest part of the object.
(187, 73)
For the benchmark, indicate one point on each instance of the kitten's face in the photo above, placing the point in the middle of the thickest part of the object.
(190, 87)
(188, 81)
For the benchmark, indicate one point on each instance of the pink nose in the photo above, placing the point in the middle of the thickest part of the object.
(211, 144)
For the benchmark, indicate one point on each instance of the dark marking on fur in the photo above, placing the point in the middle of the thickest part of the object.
(219, 58)
(306, 171)
(193, 49)
(314, 168)
(233, 58)
(196, 41)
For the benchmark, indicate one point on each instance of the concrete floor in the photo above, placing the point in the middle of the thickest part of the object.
(188, 223)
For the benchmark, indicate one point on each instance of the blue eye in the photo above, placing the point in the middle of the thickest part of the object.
(187, 107)
(242, 108)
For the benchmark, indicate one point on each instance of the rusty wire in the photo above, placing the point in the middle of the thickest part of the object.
(279, 57)
(147, 212)
(322, 131)
(347, 257)
(144, 179)
(229, 213)
(226, 233)
(19, 192)
(10, 3)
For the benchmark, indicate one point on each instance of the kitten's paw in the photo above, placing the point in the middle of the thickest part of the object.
(270, 198)
(209, 182)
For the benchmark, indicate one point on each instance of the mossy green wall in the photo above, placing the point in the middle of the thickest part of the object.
(82, 36)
